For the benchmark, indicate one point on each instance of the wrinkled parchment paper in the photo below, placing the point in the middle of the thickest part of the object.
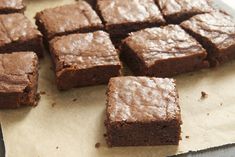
(69, 124)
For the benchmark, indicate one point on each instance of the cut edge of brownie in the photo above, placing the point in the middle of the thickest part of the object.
(9, 10)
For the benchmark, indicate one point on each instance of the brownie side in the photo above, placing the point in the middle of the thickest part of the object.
(176, 11)
(19, 81)
(18, 34)
(11, 6)
(135, 116)
(163, 52)
(92, 63)
(68, 19)
(128, 16)
(215, 31)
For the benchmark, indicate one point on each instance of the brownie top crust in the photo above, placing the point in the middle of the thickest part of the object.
(68, 18)
(12, 4)
(15, 69)
(160, 43)
(16, 28)
(122, 12)
(216, 27)
(172, 7)
(142, 99)
(84, 50)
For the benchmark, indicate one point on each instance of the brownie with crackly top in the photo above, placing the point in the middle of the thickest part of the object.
(68, 19)
(216, 32)
(163, 52)
(84, 59)
(176, 11)
(11, 6)
(142, 111)
(122, 17)
(18, 79)
(17, 33)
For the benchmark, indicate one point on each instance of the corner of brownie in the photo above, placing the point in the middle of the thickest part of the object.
(84, 59)
(19, 79)
(142, 111)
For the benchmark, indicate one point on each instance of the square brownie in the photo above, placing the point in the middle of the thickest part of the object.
(72, 18)
(11, 6)
(122, 17)
(142, 111)
(216, 32)
(17, 33)
(176, 11)
(163, 51)
(84, 59)
(18, 79)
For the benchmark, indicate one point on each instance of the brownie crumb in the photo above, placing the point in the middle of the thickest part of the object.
(53, 104)
(208, 114)
(97, 145)
(57, 147)
(204, 95)
(105, 135)
(221, 104)
(74, 99)
(186, 136)
(42, 92)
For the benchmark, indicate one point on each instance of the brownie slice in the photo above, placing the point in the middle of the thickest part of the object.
(142, 111)
(11, 6)
(84, 59)
(163, 52)
(176, 11)
(17, 33)
(72, 18)
(216, 32)
(18, 79)
(122, 17)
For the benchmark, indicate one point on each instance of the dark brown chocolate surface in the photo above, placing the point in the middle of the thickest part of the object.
(17, 33)
(216, 32)
(84, 59)
(176, 11)
(11, 6)
(122, 17)
(18, 79)
(163, 52)
(142, 111)
(72, 18)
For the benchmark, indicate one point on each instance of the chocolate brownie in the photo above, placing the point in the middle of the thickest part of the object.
(142, 111)
(84, 59)
(176, 11)
(122, 17)
(163, 52)
(17, 33)
(216, 32)
(18, 79)
(72, 18)
(11, 6)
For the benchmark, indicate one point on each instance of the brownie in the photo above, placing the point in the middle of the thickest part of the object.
(163, 51)
(11, 6)
(142, 111)
(84, 59)
(17, 33)
(176, 11)
(19, 79)
(72, 18)
(122, 17)
(216, 32)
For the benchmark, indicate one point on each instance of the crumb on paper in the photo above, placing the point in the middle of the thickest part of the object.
(105, 135)
(57, 147)
(53, 104)
(186, 136)
(221, 104)
(97, 145)
(74, 99)
(42, 92)
(204, 95)
(208, 114)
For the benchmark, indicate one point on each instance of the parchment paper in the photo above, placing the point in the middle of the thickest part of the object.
(62, 127)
